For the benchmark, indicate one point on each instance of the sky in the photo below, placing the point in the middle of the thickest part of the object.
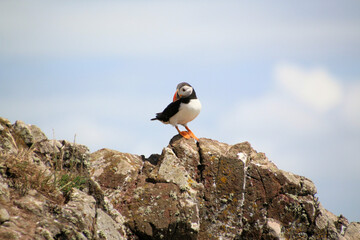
(284, 76)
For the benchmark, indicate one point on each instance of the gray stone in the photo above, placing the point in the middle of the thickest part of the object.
(4, 190)
(33, 204)
(274, 227)
(29, 133)
(353, 231)
(80, 210)
(4, 215)
(113, 169)
(5, 122)
(7, 141)
(106, 227)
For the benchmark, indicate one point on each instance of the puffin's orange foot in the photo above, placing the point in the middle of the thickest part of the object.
(185, 134)
(191, 133)
(193, 136)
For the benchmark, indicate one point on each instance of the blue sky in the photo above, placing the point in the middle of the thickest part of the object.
(283, 76)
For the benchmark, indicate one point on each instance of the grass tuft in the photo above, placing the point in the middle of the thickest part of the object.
(26, 172)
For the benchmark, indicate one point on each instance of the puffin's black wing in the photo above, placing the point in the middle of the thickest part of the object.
(168, 112)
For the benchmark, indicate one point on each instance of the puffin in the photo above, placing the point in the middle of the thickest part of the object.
(184, 108)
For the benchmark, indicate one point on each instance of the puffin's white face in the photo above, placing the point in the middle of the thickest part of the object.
(185, 91)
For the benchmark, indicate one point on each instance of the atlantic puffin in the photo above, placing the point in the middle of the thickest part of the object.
(184, 108)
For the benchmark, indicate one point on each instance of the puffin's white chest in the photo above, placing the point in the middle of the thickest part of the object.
(187, 112)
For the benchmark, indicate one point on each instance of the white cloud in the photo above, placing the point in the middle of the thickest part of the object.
(297, 107)
(288, 124)
(316, 87)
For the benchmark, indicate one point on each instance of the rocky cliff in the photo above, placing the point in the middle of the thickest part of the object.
(52, 189)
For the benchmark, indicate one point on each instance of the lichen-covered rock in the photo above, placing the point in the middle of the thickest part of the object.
(157, 201)
(188, 155)
(80, 211)
(212, 190)
(30, 167)
(30, 134)
(159, 211)
(32, 202)
(193, 190)
(115, 170)
(172, 169)
(106, 227)
(7, 140)
(223, 176)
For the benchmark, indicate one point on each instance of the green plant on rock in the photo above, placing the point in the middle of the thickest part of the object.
(68, 181)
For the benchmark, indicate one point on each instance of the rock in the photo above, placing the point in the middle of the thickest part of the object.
(32, 204)
(115, 170)
(80, 212)
(7, 140)
(274, 229)
(188, 155)
(172, 169)
(69, 155)
(4, 215)
(193, 190)
(30, 134)
(4, 190)
(160, 211)
(223, 177)
(352, 231)
(165, 206)
(107, 228)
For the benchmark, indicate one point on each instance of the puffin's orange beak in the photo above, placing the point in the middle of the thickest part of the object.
(175, 96)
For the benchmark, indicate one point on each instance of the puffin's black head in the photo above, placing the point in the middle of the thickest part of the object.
(183, 90)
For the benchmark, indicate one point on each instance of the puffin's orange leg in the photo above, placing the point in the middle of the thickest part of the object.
(191, 133)
(184, 133)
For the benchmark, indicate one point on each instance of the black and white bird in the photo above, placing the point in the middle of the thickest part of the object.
(184, 108)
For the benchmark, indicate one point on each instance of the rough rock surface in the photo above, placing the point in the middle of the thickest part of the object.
(204, 190)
